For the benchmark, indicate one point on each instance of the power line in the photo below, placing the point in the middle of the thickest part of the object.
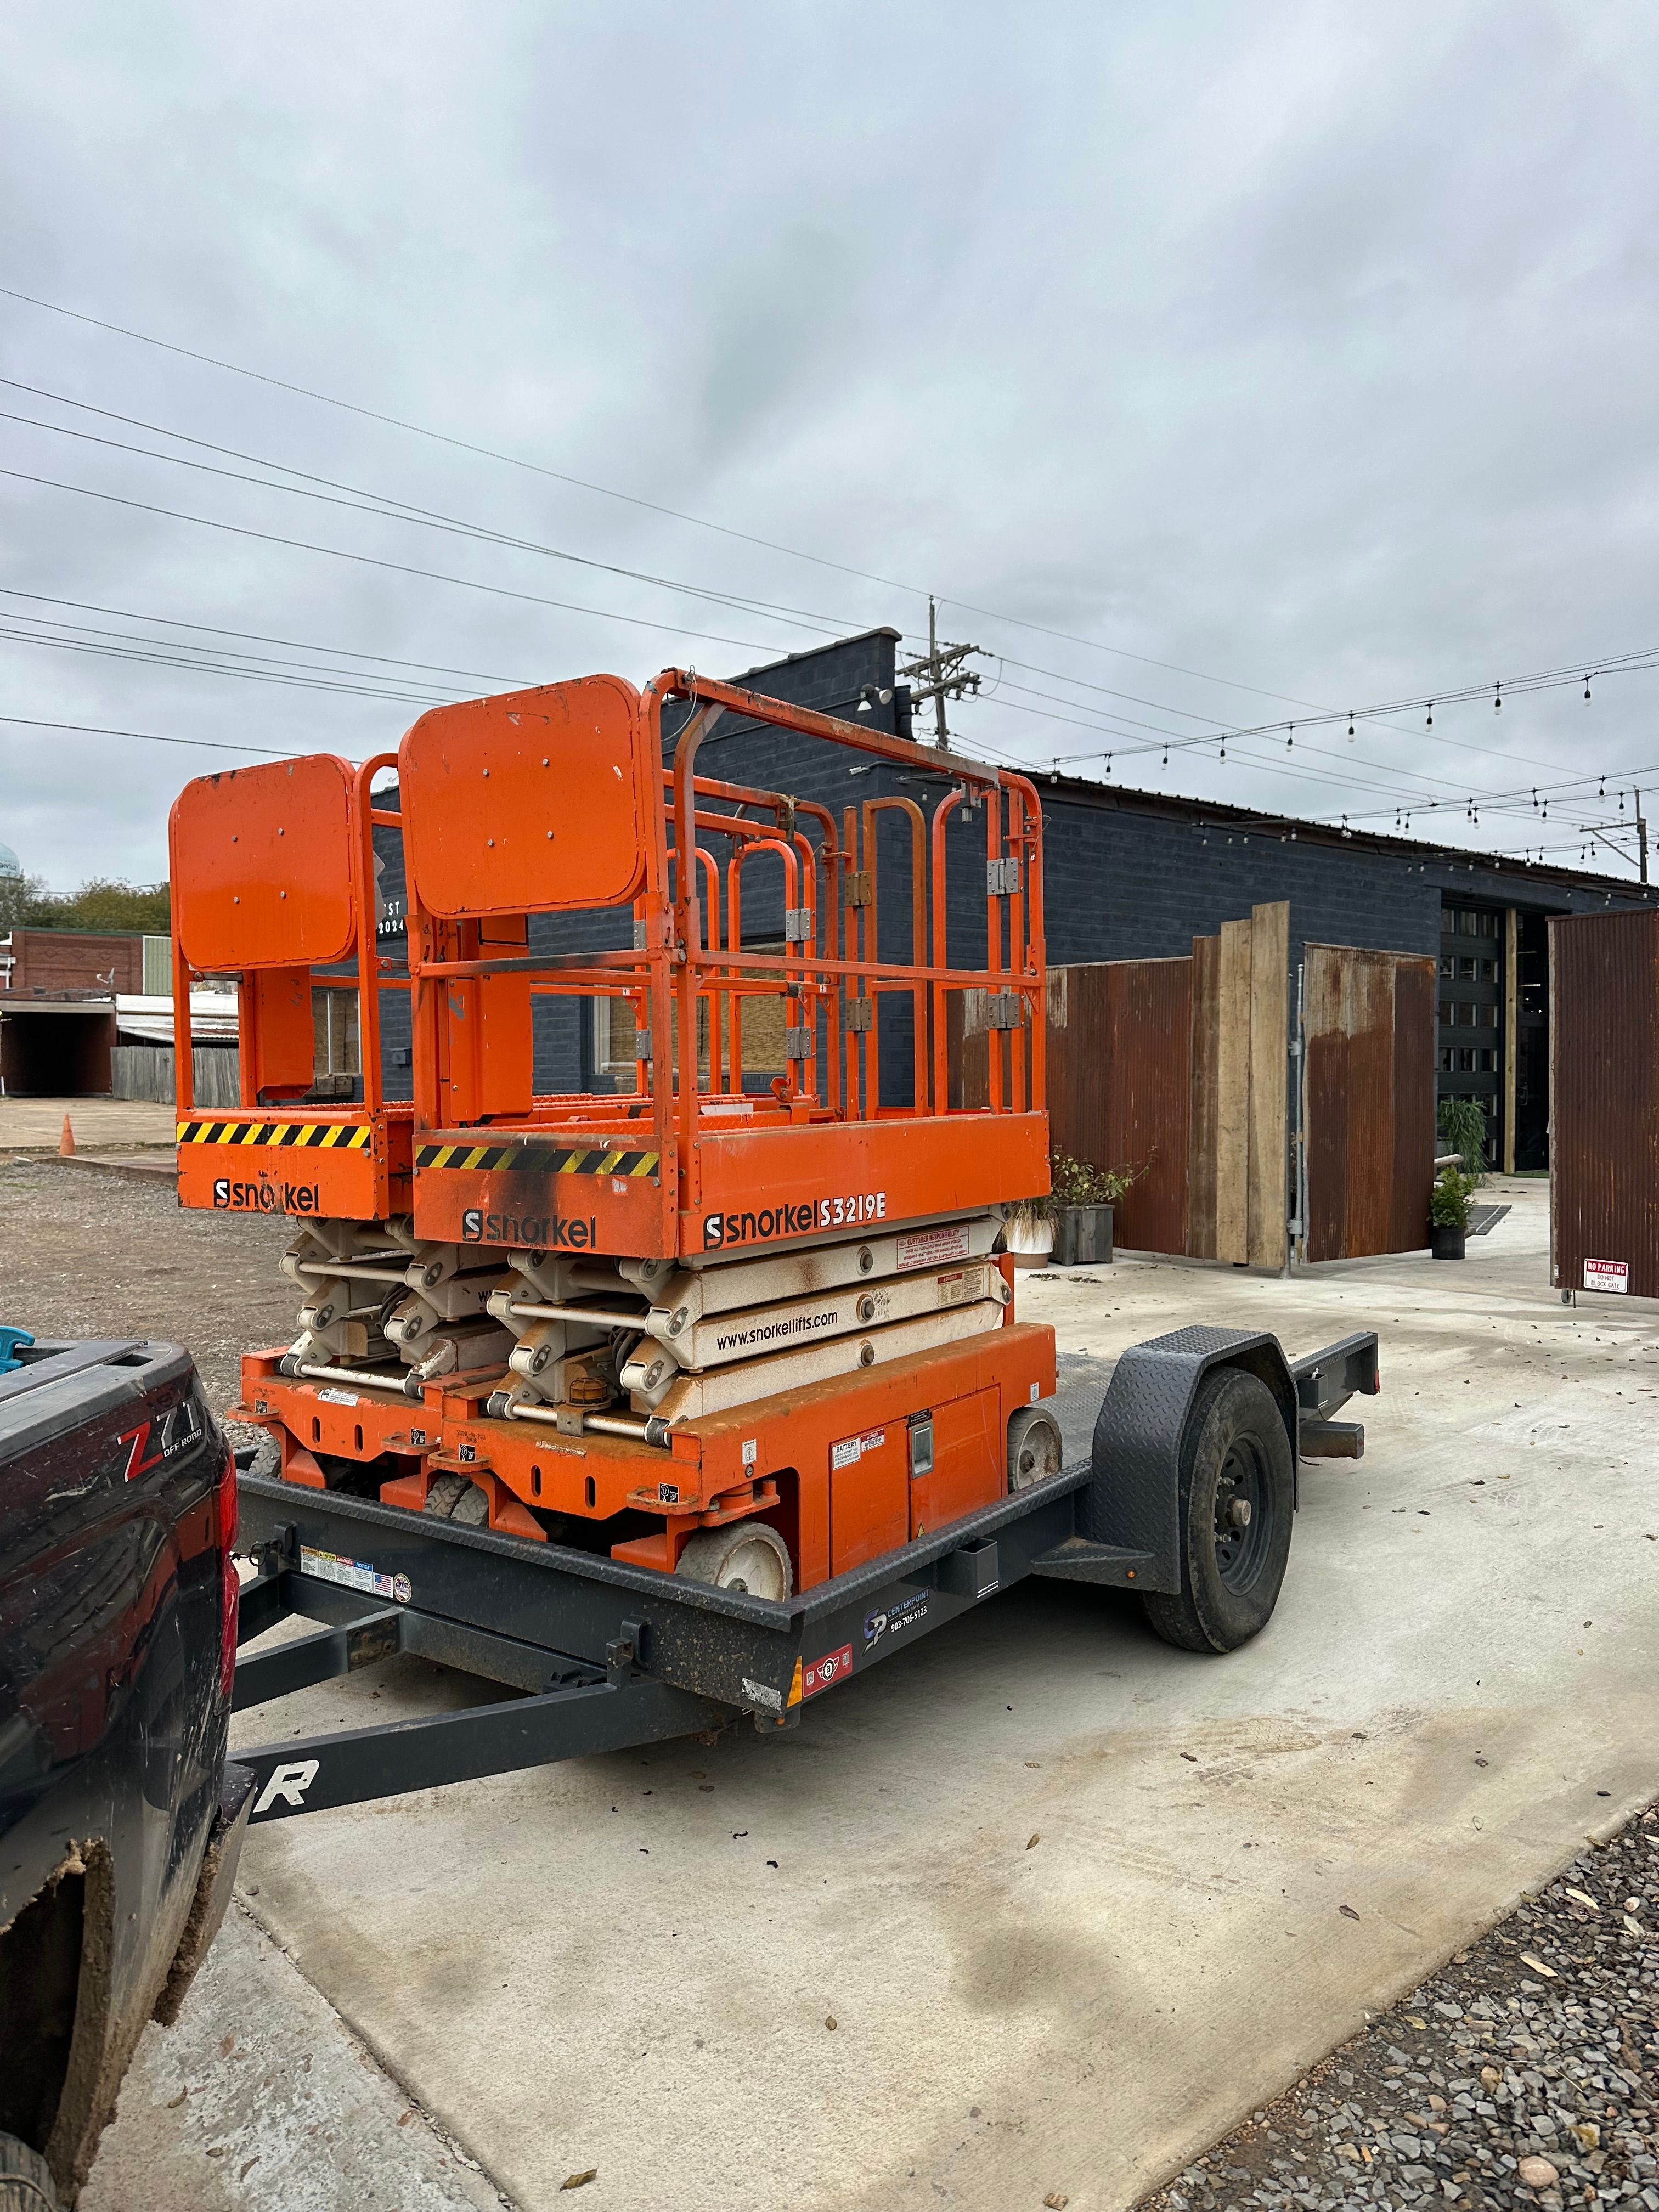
(259, 637)
(385, 504)
(398, 568)
(149, 737)
(606, 491)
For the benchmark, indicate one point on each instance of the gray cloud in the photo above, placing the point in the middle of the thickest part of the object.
(1307, 348)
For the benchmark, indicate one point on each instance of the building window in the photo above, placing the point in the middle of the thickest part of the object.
(615, 1049)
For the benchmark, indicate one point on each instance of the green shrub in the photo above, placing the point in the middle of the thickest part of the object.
(1460, 1126)
(1448, 1202)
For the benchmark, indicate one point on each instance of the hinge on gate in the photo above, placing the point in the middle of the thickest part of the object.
(639, 935)
(641, 1044)
(1004, 1010)
(861, 1014)
(797, 924)
(858, 887)
(1002, 876)
(797, 1043)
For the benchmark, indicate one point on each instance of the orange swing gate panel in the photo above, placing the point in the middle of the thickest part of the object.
(268, 889)
(739, 1302)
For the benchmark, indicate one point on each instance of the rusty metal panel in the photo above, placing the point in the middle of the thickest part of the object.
(1119, 1063)
(1368, 1024)
(1604, 1099)
(1413, 1102)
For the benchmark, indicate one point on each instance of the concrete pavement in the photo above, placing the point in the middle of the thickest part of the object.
(34, 1125)
(1074, 1901)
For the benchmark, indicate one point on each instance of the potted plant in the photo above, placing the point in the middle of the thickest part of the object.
(1083, 1195)
(1449, 1214)
(1028, 1230)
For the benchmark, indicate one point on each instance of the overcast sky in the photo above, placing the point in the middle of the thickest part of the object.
(1304, 348)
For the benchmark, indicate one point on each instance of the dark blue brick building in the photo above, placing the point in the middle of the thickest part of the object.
(1128, 875)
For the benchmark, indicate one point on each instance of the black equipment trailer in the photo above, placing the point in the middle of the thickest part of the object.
(1185, 1487)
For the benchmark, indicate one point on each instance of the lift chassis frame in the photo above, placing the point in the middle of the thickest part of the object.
(599, 1654)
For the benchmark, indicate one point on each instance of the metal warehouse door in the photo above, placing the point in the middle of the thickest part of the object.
(1604, 1103)
(1368, 1033)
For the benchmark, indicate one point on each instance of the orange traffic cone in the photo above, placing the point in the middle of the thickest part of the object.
(66, 1142)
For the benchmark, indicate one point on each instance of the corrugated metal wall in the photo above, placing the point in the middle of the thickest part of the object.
(1119, 1077)
(1604, 1099)
(1368, 1022)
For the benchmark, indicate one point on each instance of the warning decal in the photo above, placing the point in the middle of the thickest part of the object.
(1607, 1275)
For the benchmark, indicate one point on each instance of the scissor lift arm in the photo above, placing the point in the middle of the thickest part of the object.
(601, 1655)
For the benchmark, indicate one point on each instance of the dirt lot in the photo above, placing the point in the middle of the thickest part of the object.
(93, 1254)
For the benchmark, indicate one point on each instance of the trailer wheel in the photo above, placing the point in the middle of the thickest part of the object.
(1236, 1487)
(744, 1555)
(1035, 1449)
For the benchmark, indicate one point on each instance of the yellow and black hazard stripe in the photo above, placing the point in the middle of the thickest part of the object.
(540, 1159)
(324, 1136)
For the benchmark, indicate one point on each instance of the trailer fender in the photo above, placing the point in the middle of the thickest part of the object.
(1129, 1514)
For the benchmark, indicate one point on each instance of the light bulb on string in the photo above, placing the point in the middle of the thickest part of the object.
(1223, 749)
(1290, 740)
(1166, 756)
(1351, 726)
(1498, 699)
(1430, 724)
(1603, 790)
(1534, 798)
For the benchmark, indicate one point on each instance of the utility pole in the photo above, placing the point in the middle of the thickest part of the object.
(939, 675)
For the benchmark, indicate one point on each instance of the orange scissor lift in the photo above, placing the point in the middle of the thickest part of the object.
(273, 870)
(753, 1335)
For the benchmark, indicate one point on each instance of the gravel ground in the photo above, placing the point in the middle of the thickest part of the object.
(94, 1255)
(1526, 2073)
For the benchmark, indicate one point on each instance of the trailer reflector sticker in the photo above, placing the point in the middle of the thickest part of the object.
(763, 1694)
(821, 1672)
(1607, 1275)
(353, 1574)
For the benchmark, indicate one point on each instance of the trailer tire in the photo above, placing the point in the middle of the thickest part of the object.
(1034, 1449)
(1234, 1454)
(26, 2182)
(744, 1555)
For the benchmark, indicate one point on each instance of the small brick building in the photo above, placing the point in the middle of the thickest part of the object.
(58, 990)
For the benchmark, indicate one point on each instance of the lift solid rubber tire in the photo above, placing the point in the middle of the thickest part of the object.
(1235, 1453)
(26, 2182)
(1034, 1449)
(445, 1494)
(744, 1555)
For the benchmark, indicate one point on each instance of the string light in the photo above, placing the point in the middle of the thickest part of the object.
(1498, 699)
(1587, 689)
(1430, 725)
(1351, 726)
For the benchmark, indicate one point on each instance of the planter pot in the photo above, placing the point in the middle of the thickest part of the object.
(1446, 1243)
(1031, 1242)
(1083, 1237)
